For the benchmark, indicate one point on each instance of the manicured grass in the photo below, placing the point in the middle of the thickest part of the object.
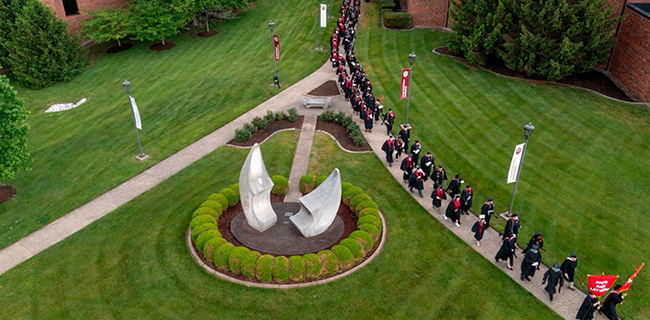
(585, 180)
(182, 93)
(134, 264)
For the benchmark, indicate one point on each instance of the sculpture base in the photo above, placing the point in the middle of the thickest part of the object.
(284, 238)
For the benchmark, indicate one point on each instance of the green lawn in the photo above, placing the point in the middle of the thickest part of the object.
(134, 264)
(585, 181)
(183, 94)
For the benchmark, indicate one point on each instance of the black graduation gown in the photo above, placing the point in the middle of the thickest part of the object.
(389, 149)
(437, 201)
(552, 277)
(506, 251)
(587, 309)
(439, 176)
(609, 306)
(512, 228)
(415, 181)
(534, 240)
(368, 120)
(415, 150)
(475, 228)
(487, 210)
(569, 267)
(527, 268)
(454, 187)
(405, 135)
(466, 197)
(426, 164)
(406, 169)
(451, 212)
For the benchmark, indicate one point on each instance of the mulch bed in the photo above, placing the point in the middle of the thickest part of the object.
(6, 193)
(270, 129)
(158, 46)
(207, 34)
(224, 228)
(118, 49)
(327, 89)
(592, 80)
(342, 136)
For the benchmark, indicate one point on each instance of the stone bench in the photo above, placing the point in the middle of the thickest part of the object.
(316, 102)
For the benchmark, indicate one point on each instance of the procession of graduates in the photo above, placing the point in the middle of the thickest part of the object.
(418, 170)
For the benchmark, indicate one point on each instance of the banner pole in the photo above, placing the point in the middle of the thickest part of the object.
(514, 190)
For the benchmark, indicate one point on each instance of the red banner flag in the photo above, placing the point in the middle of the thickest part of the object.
(629, 281)
(405, 83)
(599, 284)
(276, 47)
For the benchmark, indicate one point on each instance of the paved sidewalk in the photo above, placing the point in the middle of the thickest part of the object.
(77, 219)
(301, 158)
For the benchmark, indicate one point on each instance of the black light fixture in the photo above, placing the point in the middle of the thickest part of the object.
(412, 57)
(528, 130)
(127, 86)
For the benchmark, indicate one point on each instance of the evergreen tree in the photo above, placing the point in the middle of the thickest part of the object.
(157, 20)
(13, 130)
(107, 24)
(41, 51)
(8, 11)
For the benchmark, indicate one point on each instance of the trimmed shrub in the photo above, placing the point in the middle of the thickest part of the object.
(355, 248)
(387, 4)
(293, 115)
(264, 268)
(339, 117)
(219, 198)
(397, 20)
(296, 268)
(313, 266)
(364, 239)
(204, 237)
(320, 180)
(344, 255)
(307, 183)
(206, 211)
(372, 230)
(368, 212)
(259, 123)
(230, 195)
(199, 220)
(242, 134)
(364, 205)
(235, 188)
(235, 258)
(280, 185)
(270, 116)
(327, 115)
(280, 115)
(196, 231)
(214, 205)
(347, 121)
(371, 220)
(358, 199)
(221, 255)
(211, 245)
(345, 186)
(249, 127)
(358, 139)
(248, 264)
(330, 262)
(349, 194)
(281, 269)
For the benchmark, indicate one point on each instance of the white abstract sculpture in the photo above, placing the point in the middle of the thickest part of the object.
(255, 191)
(318, 208)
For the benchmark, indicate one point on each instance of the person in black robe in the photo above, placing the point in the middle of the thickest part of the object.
(535, 240)
(439, 177)
(438, 195)
(507, 251)
(379, 113)
(407, 167)
(416, 181)
(415, 151)
(368, 122)
(348, 88)
(389, 120)
(466, 199)
(488, 210)
(569, 267)
(512, 227)
(405, 134)
(530, 263)
(399, 146)
(427, 163)
(553, 275)
(454, 186)
(588, 307)
(453, 211)
(609, 305)
(389, 148)
(479, 229)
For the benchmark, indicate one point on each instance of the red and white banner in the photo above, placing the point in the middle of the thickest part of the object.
(276, 47)
(323, 15)
(405, 83)
(599, 284)
(629, 281)
(514, 163)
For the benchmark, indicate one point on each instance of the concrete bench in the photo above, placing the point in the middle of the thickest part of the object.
(316, 102)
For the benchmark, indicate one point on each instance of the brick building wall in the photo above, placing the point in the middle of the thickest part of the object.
(630, 62)
(428, 13)
(74, 20)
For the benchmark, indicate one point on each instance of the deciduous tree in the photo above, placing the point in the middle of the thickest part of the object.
(107, 24)
(13, 132)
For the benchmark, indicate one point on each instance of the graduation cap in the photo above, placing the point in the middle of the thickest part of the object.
(556, 265)
(417, 140)
(538, 233)
(457, 176)
(535, 247)
(467, 186)
(515, 215)
(428, 152)
(439, 166)
(573, 255)
(489, 198)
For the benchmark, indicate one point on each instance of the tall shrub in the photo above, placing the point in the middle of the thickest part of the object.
(107, 24)
(13, 130)
(9, 9)
(157, 20)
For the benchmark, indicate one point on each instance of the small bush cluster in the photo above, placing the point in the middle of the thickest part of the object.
(307, 183)
(232, 197)
(330, 262)
(280, 185)
(349, 194)
(346, 121)
(281, 269)
(396, 20)
(293, 115)
(264, 268)
(258, 123)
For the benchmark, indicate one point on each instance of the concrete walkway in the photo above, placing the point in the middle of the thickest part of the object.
(77, 219)
(301, 158)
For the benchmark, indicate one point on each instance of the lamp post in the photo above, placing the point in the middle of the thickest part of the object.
(329, 9)
(127, 87)
(528, 131)
(276, 80)
(320, 26)
(412, 57)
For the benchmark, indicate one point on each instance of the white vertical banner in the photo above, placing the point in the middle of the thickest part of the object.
(514, 164)
(136, 113)
(323, 15)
